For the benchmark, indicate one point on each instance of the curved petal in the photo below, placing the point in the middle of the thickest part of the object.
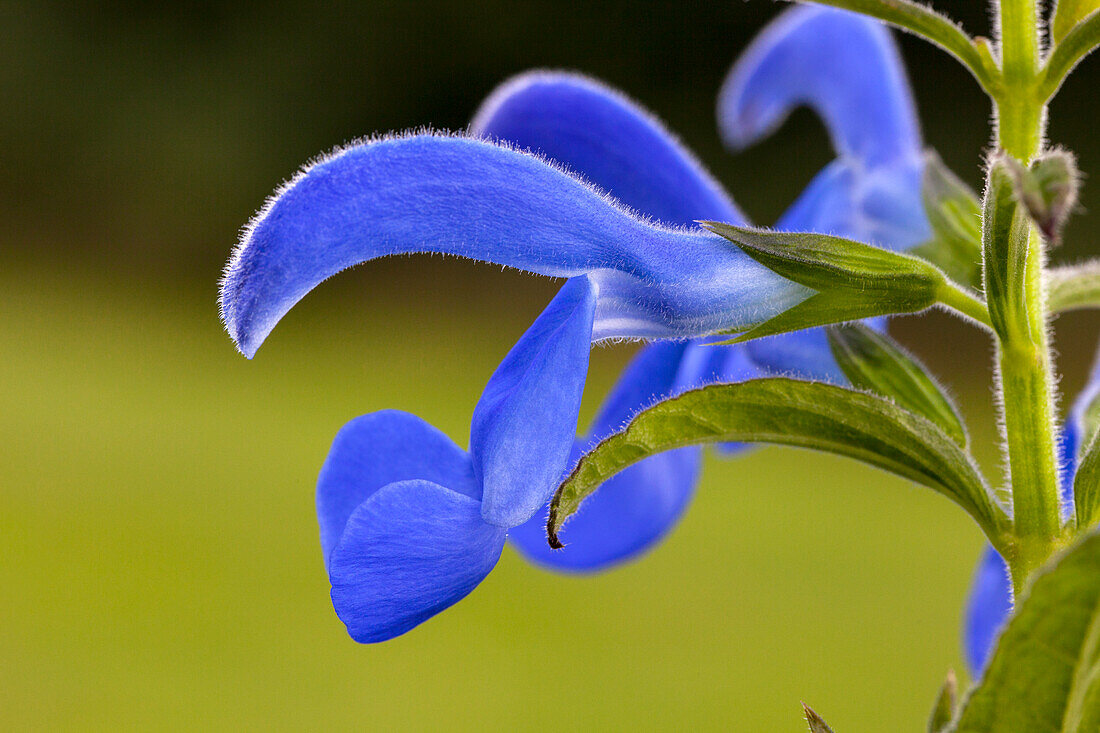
(454, 195)
(378, 449)
(638, 506)
(648, 377)
(630, 512)
(411, 550)
(523, 426)
(607, 138)
(990, 604)
(842, 65)
(881, 206)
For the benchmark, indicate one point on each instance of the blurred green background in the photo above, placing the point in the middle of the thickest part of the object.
(158, 546)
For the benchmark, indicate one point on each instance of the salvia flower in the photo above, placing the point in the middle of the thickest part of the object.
(563, 177)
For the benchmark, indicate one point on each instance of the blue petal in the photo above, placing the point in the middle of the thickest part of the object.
(989, 606)
(608, 139)
(844, 66)
(454, 195)
(803, 354)
(638, 506)
(881, 206)
(523, 426)
(705, 363)
(627, 515)
(378, 449)
(411, 550)
(648, 378)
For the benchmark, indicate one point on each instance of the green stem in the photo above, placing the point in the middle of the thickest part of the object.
(1024, 357)
(958, 299)
(1019, 30)
(1019, 114)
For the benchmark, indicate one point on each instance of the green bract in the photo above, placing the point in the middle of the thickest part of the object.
(874, 362)
(1005, 244)
(944, 709)
(955, 215)
(815, 721)
(1048, 190)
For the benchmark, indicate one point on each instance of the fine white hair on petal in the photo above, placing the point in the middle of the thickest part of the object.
(247, 231)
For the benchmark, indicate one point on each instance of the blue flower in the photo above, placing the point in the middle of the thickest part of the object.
(990, 601)
(564, 177)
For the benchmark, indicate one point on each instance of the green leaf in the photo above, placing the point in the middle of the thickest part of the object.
(1067, 14)
(955, 215)
(817, 725)
(874, 362)
(1074, 287)
(1070, 50)
(944, 710)
(1005, 241)
(1048, 190)
(789, 412)
(926, 23)
(1045, 672)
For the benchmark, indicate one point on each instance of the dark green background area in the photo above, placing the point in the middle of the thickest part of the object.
(158, 547)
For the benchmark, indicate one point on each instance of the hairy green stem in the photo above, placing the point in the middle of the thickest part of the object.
(1024, 360)
(1019, 114)
(958, 299)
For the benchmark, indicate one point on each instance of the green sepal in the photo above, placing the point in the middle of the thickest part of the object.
(1045, 672)
(1005, 241)
(854, 280)
(1074, 287)
(955, 215)
(785, 411)
(1048, 190)
(944, 710)
(827, 263)
(816, 722)
(874, 362)
(825, 309)
(1068, 13)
